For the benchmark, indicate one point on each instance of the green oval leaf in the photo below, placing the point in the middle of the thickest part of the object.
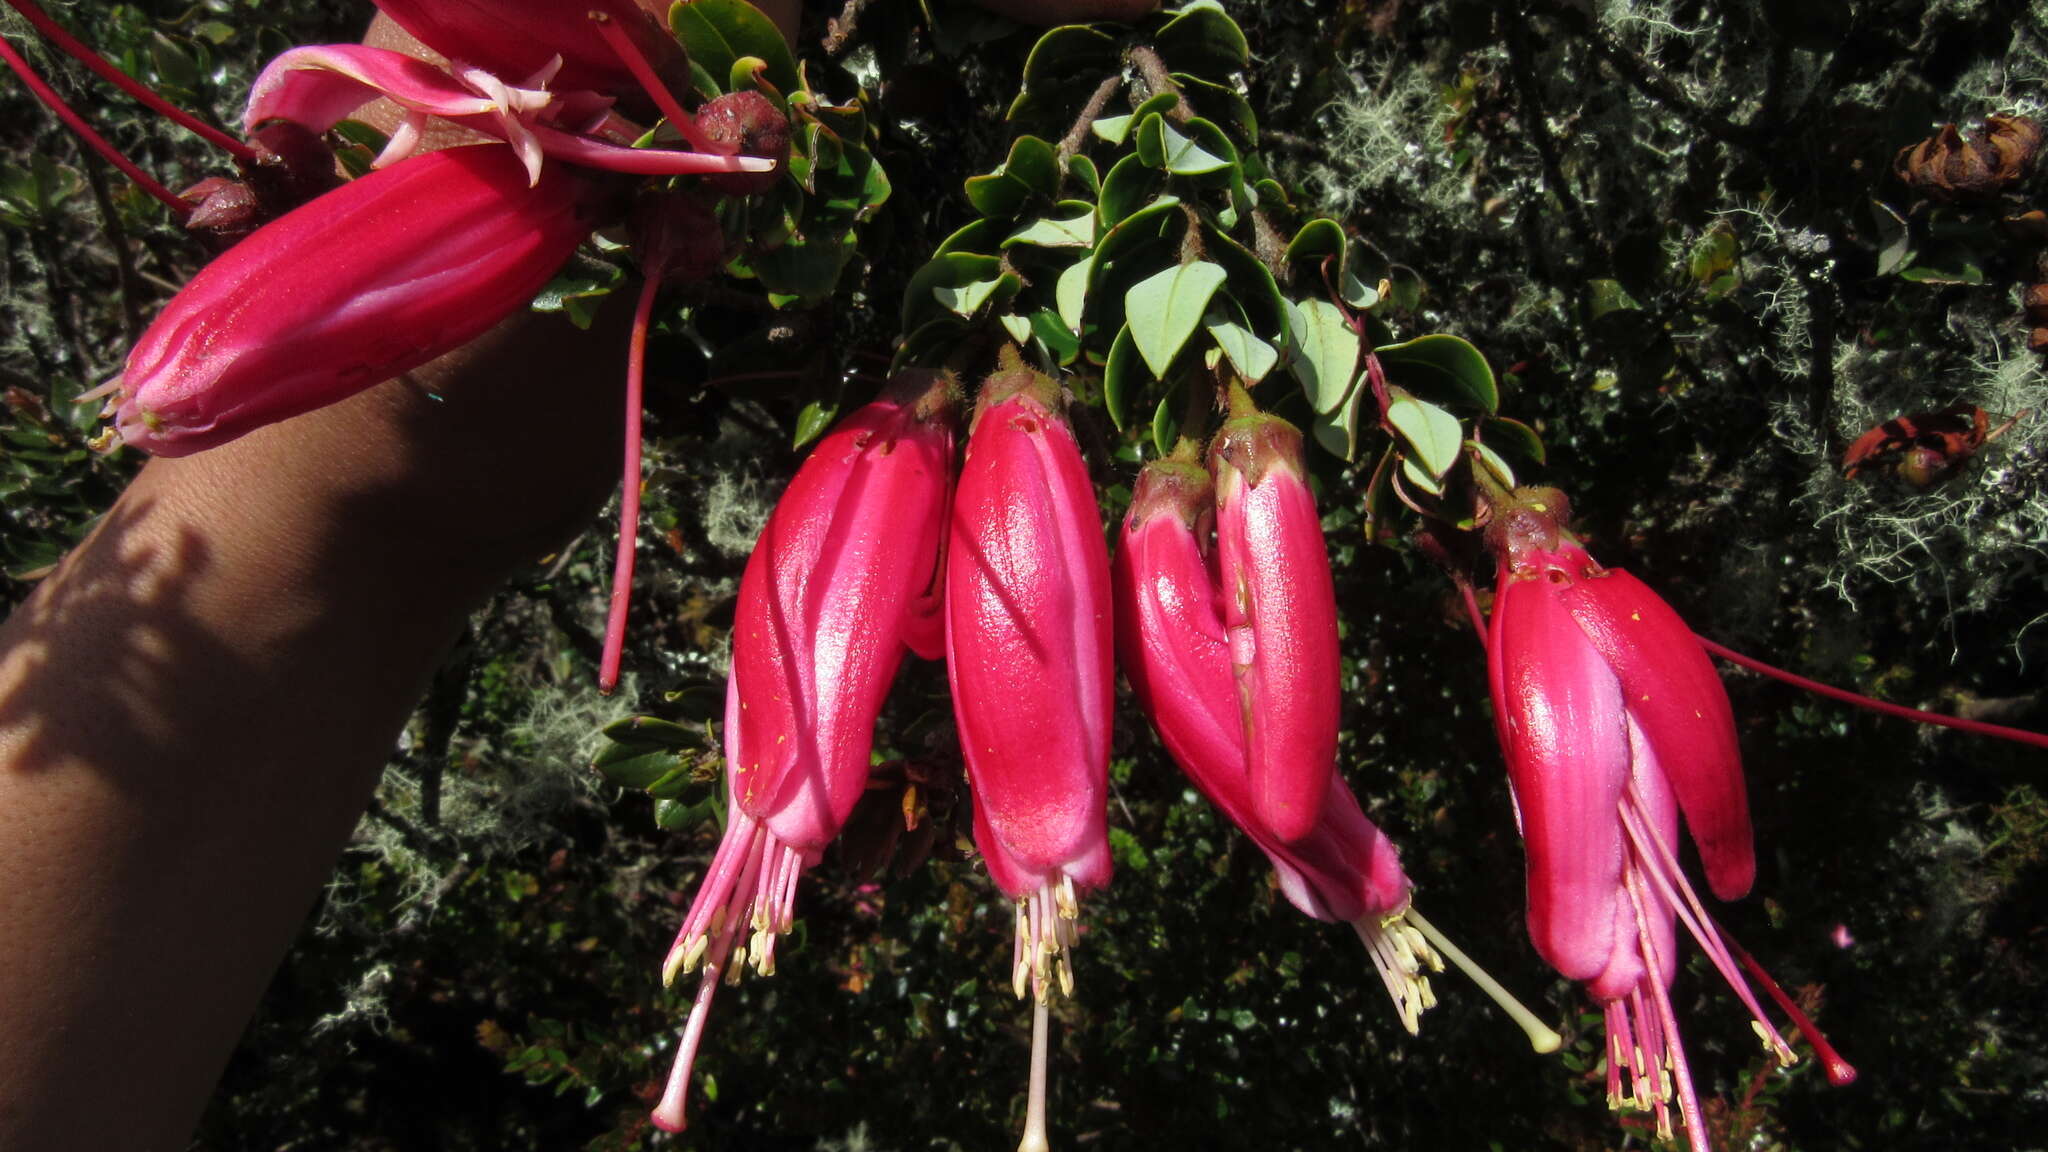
(1185, 154)
(1070, 294)
(1420, 477)
(813, 420)
(716, 33)
(636, 766)
(1149, 142)
(1316, 239)
(1441, 362)
(1074, 230)
(1221, 102)
(1163, 309)
(1115, 129)
(1337, 431)
(1120, 378)
(1325, 350)
(1129, 184)
(1516, 437)
(1062, 343)
(1164, 423)
(1066, 52)
(1204, 40)
(1433, 435)
(1031, 170)
(1252, 284)
(1249, 355)
(1494, 461)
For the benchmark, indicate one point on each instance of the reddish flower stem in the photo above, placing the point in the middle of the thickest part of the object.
(77, 50)
(85, 132)
(636, 62)
(629, 496)
(1996, 731)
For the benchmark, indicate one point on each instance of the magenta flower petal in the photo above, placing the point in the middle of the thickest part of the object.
(1280, 607)
(518, 38)
(318, 86)
(1170, 636)
(1028, 640)
(368, 281)
(1562, 728)
(1171, 644)
(1678, 699)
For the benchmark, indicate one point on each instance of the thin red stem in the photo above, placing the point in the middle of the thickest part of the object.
(1996, 731)
(1841, 1073)
(629, 497)
(85, 132)
(636, 62)
(1471, 606)
(77, 50)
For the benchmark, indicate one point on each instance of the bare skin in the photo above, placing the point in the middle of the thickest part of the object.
(195, 706)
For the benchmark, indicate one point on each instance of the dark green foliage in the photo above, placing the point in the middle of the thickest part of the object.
(1654, 218)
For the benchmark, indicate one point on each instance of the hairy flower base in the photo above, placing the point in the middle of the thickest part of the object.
(752, 883)
(1047, 930)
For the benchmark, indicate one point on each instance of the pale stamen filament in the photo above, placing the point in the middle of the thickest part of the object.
(1542, 1037)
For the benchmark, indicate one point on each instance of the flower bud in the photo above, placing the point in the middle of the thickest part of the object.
(1280, 609)
(371, 280)
(746, 123)
(1028, 647)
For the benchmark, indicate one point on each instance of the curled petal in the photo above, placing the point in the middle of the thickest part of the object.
(318, 86)
(523, 37)
(1559, 712)
(591, 152)
(1672, 691)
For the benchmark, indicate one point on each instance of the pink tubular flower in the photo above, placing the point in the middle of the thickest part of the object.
(1613, 724)
(1171, 643)
(401, 266)
(421, 256)
(1280, 607)
(844, 579)
(1028, 650)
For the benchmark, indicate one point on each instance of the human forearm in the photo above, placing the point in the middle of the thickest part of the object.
(194, 707)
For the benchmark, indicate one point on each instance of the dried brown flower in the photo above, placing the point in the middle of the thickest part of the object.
(1947, 167)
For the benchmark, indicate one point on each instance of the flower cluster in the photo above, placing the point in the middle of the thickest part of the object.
(1220, 606)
